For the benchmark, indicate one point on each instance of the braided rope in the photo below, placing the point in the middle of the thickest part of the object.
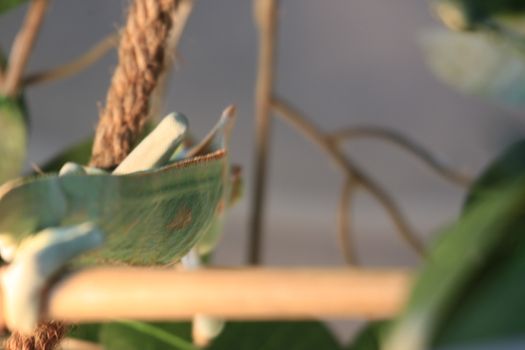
(47, 336)
(141, 62)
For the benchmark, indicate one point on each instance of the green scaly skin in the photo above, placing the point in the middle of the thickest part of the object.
(150, 218)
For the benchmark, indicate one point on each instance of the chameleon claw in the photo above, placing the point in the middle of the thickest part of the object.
(37, 259)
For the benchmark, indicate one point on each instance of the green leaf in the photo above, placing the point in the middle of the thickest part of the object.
(494, 310)
(482, 248)
(87, 331)
(370, 337)
(507, 167)
(13, 137)
(495, 306)
(486, 14)
(134, 335)
(275, 336)
(6, 5)
(77, 153)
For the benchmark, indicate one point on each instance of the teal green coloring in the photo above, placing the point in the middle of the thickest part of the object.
(151, 217)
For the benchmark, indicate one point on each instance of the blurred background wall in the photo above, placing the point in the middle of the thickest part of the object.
(343, 62)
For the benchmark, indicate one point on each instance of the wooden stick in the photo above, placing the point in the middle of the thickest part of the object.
(265, 12)
(99, 294)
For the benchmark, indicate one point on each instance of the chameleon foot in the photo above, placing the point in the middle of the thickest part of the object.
(204, 328)
(36, 260)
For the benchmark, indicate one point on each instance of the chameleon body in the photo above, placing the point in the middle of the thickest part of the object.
(149, 218)
(150, 211)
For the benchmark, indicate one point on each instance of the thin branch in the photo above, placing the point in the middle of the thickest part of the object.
(95, 294)
(312, 132)
(405, 143)
(266, 20)
(345, 239)
(23, 45)
(75, 66)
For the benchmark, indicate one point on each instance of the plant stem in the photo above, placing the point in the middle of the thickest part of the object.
(22, 47)
(266, 20)
(75, 66)
(312, 132)
(405, 143)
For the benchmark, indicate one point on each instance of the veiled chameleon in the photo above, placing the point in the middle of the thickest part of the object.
(156, 206)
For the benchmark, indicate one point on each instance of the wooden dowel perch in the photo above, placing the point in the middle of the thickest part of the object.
(99, 294)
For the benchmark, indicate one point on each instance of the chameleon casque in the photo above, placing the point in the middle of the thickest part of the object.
(161, 202)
